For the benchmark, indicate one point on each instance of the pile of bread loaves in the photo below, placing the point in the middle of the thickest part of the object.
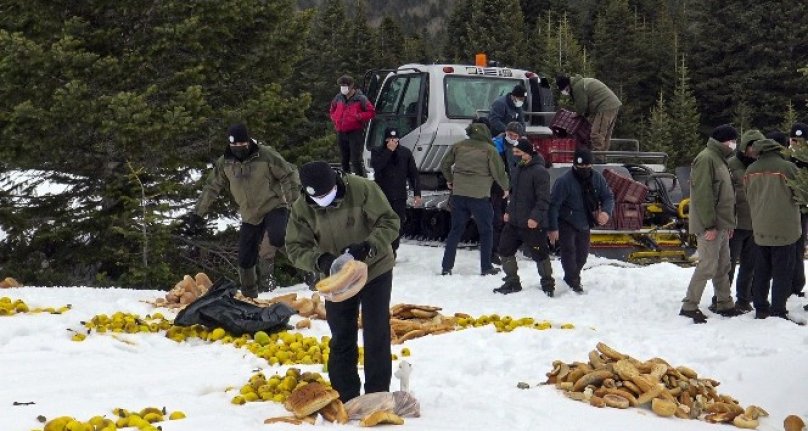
(9, 282)
(612, 379)
(185, 291)
(313, 399)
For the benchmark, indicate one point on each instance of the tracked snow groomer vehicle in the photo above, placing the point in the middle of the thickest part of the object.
(431, 106)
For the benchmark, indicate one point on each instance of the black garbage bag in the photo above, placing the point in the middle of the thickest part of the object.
(218, 308)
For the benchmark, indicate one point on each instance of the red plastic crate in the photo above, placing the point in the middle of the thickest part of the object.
(626, 216)
(556, 150)
(625, 189)
(566, 123)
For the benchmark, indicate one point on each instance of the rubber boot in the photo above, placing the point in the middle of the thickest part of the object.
(266, 277)
(512, 284)
(249, 282)
(510, 268)
(546, 274)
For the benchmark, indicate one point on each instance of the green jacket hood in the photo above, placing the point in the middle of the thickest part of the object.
(748, 137)
(767, 146)
(479, 132)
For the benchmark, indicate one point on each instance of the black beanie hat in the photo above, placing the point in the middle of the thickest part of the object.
(238, 133)
(519, 90)
(724, 133)
(391, 132)
(582, 156)
(317, 178)
(778, 136)
(562, 82)
(799, 130)
(525, 146)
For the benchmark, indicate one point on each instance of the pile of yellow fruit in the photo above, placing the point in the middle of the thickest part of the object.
(277, 388)
(120, 322)
(10, 307)
(143, 420)
(505, 323)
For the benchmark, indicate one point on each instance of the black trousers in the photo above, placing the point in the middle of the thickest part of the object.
(499, 204)
(351, 148)
(574, 245)
(775, 264)
(342, 317)
(400, 208)
(798, 282)
(250, 236)
(513, 237)
(743, 253)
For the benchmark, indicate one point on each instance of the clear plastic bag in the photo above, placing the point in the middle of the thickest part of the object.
(401, 403)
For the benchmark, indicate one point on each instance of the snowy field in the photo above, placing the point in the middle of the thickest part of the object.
(464, 380)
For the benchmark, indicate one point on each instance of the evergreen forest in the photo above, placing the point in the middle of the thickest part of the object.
(119, 106)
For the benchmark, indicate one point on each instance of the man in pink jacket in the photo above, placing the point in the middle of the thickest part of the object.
(350, 111)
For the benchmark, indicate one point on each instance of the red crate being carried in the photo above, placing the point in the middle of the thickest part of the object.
(625, 189)
(569, 124)
(555, 150)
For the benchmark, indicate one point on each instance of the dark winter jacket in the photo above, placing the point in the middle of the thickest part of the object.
(737, 169)
(712, 198)
(349, 115)
(530, 193)
(503, 111)
(567, 201)
(392, 170)
(591, 96)
(473, 164)
(262, 182)
(359, 213)
(775, 213)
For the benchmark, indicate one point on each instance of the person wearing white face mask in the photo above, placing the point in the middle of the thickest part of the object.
(338, 214)
(350, 111)
(506, 109)
(592, 99)
(712, 219)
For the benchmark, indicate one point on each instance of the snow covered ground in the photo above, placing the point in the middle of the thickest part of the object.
(465, 380)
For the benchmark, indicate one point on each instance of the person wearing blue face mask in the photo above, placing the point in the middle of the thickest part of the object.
(580, 200)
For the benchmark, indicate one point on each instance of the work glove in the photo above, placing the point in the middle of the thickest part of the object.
(194, 224)
(359, 251)
(324, 262)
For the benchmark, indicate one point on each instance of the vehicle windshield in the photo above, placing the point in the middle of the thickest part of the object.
(466, 95)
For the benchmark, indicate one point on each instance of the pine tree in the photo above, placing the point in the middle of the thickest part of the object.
(496, 27)
(390, 44)
(746, 60)
(359, 52)
(685, 119)
(457, 33)
(119, 116)
(657, 136)
(561, 53)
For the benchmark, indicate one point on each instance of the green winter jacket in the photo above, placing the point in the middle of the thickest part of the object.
(359, 213)
(737, 170)
(473, 164)
(712, 198)
(591, 96)
(262, 182)
(775, 214)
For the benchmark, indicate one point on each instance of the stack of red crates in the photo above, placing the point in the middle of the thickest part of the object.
(555, 150)
(629, 196)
